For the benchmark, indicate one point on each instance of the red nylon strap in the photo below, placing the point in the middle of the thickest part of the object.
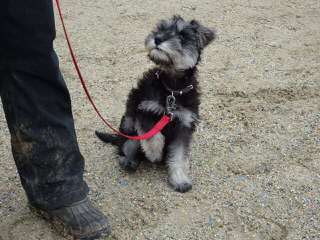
(156, 129)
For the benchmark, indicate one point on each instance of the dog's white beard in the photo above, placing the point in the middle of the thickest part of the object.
(159, 56)
(181, 60)
(185, 62)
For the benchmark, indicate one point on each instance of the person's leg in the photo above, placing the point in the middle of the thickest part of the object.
(44, 145)
(38, 108)
(38, 112)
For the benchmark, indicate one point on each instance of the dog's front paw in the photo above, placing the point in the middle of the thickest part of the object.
(129, 165)
(180, 181)
(183, 187)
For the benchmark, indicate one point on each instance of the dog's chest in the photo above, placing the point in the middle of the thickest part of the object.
(186, 117)
(181, 110)
(158, 100)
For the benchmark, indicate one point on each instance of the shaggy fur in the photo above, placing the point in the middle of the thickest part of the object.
(175, 46)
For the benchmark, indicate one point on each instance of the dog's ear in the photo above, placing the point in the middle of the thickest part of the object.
(180, 23)
(206, 35)
(176, 18)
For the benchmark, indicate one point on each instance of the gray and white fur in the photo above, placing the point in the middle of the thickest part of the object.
(175, 46)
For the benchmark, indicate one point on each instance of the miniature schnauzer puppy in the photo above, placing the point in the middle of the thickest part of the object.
(175, 46)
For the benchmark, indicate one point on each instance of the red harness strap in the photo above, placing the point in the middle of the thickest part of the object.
(156, 129)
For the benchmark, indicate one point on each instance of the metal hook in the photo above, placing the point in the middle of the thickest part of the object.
(171, 103)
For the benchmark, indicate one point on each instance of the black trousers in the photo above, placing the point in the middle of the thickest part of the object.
(37, 106)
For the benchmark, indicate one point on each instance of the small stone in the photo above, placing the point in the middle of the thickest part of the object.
(123, 182)
(210, 221)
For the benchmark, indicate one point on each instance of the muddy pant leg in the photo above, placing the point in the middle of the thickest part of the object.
(37, 106)
(43, 138)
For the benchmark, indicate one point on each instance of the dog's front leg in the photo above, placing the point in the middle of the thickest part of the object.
(178, 163)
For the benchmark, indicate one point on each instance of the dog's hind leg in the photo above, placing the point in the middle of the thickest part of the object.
(178, 163)
(129, 159)
(153, 147)
(130, 149)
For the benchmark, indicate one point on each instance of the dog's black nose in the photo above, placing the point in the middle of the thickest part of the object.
(157, 40)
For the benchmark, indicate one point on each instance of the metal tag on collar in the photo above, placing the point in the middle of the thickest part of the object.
(171, 103)
(157, 74)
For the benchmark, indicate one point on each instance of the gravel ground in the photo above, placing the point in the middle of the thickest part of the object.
(255, 167)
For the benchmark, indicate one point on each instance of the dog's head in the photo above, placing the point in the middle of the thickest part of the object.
(178, 44)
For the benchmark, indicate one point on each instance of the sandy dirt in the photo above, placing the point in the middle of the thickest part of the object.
(256, 155)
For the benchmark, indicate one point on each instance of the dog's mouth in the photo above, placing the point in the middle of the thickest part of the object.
(159, 57)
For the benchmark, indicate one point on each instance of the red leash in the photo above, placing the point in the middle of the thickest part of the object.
(156, 129)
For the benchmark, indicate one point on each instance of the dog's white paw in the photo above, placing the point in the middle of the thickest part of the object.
(180, 181)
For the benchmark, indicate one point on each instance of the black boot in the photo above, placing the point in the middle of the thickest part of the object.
(81, 220)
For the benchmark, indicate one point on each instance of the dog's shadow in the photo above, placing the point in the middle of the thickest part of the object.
(146, 172)
(146, 166)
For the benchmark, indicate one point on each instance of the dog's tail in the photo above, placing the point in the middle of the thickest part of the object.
(109, 138)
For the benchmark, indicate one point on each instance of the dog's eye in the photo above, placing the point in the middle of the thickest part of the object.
(187, 35)
(182, 40)
(183, 35)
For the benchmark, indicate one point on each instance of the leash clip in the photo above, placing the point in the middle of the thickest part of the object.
(171, 105)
